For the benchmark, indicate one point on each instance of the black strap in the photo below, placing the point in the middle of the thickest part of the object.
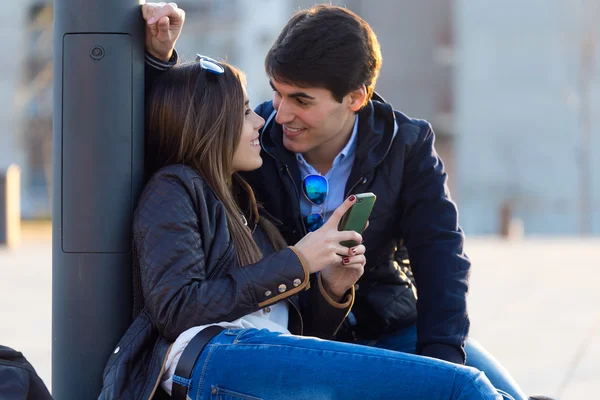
(188, 359)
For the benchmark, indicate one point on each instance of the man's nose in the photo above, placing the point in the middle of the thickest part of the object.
(284, 113)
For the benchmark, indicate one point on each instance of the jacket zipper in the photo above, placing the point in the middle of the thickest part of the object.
(297, 196)
(360, 180)
(299, 315)
(287, 170)
(221, 261)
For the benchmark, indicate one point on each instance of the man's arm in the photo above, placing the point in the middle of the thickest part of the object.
(435, 245)
(164, 23)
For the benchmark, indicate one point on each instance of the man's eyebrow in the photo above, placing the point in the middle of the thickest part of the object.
(295, 94)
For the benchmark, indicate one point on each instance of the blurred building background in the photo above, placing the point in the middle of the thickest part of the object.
(512, 90)
(26, 101)
(527, 95)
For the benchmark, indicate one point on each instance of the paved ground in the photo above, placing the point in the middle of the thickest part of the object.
(534, 304)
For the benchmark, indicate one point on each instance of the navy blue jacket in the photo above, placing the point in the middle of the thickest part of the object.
(396, 160)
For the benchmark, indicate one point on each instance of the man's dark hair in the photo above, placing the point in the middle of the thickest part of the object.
(329, 47)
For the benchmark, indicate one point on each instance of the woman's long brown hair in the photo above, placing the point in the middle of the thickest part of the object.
(195, 118)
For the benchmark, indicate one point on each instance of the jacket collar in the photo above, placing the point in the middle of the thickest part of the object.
(377, 128)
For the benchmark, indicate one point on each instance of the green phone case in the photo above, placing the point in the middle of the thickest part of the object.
(356, 218)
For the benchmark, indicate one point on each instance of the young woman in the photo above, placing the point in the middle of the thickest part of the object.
(231, 312)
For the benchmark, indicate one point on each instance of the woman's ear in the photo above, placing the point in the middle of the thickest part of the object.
(357, 98)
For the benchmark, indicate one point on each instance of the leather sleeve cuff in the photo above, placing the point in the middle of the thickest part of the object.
(304, 266)
(347, 300)
(444, 352)
(293, 283)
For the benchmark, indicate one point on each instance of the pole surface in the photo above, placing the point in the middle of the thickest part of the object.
(97, 176)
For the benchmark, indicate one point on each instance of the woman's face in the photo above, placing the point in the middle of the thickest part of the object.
(247, 155)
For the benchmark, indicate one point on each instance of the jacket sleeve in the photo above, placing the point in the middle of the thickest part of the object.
(435, 245)
(172, 245)
(153, 68)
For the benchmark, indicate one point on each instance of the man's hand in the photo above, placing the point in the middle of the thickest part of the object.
(164, 22)
(337, 279)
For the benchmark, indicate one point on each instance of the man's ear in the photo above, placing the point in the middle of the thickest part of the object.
(357, 98)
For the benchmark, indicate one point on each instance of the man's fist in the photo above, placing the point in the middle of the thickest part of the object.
(164, 22)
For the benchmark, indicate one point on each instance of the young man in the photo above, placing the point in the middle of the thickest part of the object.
(326, 122)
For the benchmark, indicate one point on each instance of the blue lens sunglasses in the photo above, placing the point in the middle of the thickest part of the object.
(315, 188)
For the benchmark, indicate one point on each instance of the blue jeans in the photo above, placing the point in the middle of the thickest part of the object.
(258, 364)
(405, 340)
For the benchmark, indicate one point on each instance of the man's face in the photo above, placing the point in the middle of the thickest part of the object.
(312, 120)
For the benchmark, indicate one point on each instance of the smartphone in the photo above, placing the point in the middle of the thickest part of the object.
(357, 216)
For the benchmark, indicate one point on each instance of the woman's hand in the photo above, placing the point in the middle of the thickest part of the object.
(322, 248)
(337, 279)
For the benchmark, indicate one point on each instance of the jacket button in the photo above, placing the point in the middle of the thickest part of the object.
(266, 310)
(297, 282)
(267, 293)
(282, 288)
(117, 349)
(364, 180)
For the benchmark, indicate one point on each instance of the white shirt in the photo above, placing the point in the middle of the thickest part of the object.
(273, 318)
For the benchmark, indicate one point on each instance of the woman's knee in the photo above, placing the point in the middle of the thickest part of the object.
(472, 383)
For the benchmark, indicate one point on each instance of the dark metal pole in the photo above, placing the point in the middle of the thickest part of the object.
(97, 175)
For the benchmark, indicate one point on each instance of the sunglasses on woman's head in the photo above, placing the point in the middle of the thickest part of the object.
(315, 189)
(209, 65)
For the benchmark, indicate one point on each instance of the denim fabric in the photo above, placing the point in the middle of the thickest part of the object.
(405, 340)
(257, 364)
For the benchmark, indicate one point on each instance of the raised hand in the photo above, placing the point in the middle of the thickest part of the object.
(164, 22)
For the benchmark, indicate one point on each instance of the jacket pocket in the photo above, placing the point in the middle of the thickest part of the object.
(219, 393)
